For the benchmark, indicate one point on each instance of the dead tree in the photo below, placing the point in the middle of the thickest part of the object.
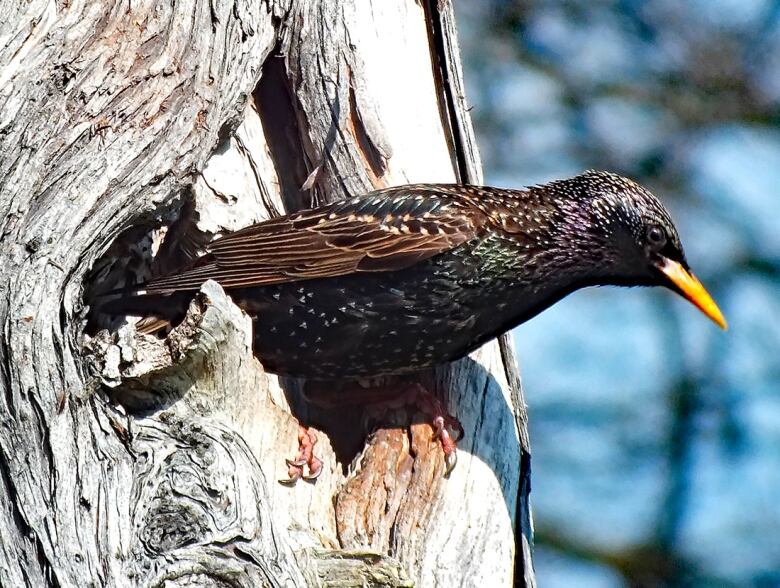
(129, 460)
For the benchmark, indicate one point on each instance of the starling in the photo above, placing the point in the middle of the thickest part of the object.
(410, 277)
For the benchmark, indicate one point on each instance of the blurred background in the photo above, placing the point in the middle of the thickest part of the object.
(655, 436)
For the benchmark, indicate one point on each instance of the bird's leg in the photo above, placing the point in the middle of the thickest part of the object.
(306, 442)
(447, 429)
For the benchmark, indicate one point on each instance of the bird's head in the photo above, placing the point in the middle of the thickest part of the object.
(635, 238)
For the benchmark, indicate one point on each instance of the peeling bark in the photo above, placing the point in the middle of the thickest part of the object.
(130, 134)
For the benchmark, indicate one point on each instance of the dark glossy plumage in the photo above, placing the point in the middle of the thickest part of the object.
(410, 277)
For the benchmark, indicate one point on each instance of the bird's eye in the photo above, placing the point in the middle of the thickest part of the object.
(656, 236)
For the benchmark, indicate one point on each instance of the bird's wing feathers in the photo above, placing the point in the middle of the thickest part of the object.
(382, 231)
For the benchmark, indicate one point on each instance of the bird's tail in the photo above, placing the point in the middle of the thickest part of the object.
(157, 310)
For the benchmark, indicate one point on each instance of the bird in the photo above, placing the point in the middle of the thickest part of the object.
(410, 277)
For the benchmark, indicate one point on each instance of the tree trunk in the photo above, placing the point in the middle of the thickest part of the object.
(129, 460)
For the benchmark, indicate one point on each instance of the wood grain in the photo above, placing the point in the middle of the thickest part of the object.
(125, 460)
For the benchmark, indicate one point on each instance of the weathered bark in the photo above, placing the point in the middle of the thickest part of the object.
(128, 460)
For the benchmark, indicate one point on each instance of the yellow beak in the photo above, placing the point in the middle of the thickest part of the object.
(692, 289)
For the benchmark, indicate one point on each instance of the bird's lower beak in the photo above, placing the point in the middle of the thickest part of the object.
(687, 284)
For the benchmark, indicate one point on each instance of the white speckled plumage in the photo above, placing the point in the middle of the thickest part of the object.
(409, 277)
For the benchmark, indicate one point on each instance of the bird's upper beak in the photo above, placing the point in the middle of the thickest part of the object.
(687, 284)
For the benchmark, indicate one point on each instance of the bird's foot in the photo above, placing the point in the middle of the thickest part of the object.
(307, 439)
(446, 428)
(448, 444)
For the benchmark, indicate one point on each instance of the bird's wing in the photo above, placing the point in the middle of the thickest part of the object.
(383, 231)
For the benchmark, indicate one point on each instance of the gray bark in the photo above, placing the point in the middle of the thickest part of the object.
(129, 460)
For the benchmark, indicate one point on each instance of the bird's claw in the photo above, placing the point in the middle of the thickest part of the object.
(450, 461)
(457, 428)
(315, 469)
(442, 424)
(294, 474)
(448, 445)
(306, 442)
